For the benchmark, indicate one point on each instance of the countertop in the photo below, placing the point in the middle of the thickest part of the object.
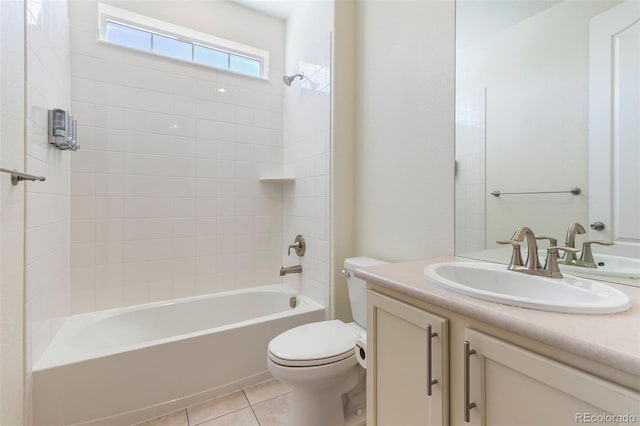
(612, 339)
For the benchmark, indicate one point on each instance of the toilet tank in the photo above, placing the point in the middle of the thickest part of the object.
(358, 287)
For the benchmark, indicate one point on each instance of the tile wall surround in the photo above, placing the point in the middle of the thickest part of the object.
(470, 172)
(307, 140)
(47, 203)
(165, 197)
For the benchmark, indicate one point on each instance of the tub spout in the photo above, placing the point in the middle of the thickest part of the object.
(290, 270)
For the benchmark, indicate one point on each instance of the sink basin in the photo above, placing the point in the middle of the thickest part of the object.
(612, 266)
(497, 284)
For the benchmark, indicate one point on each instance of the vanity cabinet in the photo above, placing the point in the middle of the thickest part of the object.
(509, 385)
(493, 381)
(410, 363)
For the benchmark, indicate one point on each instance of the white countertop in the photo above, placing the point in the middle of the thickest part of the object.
(612, 339)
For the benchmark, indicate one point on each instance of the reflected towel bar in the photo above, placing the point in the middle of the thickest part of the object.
(17, 176)
(574, 191)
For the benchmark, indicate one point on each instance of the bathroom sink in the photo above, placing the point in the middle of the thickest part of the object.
(612, 266)
(497, 284)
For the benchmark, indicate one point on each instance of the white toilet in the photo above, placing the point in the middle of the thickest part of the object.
(318, 362)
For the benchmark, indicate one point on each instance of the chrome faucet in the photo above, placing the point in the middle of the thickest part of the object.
(570, 241)
(532, 265)
(297, 269)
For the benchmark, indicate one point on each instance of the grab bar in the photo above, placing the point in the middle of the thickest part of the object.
(573, 191)
(17, 176)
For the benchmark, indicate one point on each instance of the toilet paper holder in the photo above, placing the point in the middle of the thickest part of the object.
(361, 352)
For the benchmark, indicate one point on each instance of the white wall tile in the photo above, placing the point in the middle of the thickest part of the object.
(166, 183)
(48, 232)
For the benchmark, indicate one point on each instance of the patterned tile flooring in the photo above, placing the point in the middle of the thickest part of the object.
(264, 404)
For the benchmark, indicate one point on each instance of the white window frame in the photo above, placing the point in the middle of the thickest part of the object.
(120, 16)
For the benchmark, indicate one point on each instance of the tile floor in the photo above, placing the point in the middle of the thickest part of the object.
(265, 404)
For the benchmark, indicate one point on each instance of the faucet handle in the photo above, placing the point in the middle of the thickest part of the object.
(587, 255)
(551, 265)
(299, 246)
(554, 249)
(552, 241)
(516, 255)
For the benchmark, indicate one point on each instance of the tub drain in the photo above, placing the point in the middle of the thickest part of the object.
(293, 301)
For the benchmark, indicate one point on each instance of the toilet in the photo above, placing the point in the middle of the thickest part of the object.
(318, 362)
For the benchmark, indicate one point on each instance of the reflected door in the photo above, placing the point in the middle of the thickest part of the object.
(614, 132)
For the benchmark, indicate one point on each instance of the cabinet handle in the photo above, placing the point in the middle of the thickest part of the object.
(468, 405)
(430, 381)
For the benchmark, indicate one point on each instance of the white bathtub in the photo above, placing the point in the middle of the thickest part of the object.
(121, 366)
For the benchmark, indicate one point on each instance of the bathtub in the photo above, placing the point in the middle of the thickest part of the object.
(125, 365)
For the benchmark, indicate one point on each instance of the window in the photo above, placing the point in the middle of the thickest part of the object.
(140, 32)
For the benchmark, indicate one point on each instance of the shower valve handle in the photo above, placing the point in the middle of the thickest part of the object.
(299, 246)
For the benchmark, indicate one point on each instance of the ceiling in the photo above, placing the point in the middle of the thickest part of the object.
(479, 19)
(281, 9)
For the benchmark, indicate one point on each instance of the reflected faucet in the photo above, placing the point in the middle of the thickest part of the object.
(586, 257)
(570, 240)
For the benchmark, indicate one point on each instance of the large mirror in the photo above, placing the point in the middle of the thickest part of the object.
(548, 127)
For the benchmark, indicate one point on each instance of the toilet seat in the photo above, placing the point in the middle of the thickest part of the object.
(314, 344)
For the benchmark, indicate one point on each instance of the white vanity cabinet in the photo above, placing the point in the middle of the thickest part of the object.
(409, 384)
(497, 381)
(509, 385)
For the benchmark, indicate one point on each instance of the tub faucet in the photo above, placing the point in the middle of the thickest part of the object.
(297, 269)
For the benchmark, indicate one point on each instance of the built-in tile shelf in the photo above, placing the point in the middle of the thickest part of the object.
(281, 179)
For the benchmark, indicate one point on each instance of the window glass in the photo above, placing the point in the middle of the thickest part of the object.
(128, 36)
(244, 65)
(176, 47)
(212, 57)
(172, 47)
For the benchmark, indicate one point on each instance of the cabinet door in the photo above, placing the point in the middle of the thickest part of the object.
(398, 365)
(512, 386)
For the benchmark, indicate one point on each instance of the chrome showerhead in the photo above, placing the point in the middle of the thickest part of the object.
(288, 79)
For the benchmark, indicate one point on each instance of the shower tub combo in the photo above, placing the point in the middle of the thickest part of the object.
(125, 365)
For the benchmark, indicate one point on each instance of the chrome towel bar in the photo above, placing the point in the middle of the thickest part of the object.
(17, 176)
(573, 191)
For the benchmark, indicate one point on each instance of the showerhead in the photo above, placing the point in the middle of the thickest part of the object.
(288, 79)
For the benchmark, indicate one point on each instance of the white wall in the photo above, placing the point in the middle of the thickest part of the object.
(12, 133)
(47, 203)
(405, 113)
(536, 78)
(166, 200)
(307, 138)
(343, 151)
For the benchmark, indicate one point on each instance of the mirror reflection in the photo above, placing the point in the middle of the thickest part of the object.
(548, 130)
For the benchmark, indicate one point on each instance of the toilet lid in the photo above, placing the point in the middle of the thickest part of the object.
(317, 343)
